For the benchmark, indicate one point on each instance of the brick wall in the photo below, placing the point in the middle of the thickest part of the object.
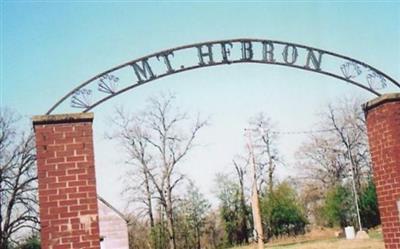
(383, 123)
(67, 184)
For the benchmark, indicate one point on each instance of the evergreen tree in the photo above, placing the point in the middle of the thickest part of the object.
(194, 211)
(282, 212)
(369, 206)
(338, 207)
(231, 210)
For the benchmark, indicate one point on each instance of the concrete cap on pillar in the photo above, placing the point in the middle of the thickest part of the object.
(389, 97)
(62, 118)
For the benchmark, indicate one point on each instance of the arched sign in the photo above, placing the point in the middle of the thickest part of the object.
(180, 59)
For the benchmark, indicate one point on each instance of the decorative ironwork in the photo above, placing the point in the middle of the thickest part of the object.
(137, 72)
(107, 83)
(376, 81)
(350, 70)
(81, 98)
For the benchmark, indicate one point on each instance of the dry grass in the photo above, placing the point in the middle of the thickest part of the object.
(337, 244)
(328, 244)
(324, 239)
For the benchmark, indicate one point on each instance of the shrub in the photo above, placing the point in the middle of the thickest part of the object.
(338, 207)
(369, 206)
(282, 213)
(31, 242)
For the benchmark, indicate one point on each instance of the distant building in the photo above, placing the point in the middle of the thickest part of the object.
(113, 227)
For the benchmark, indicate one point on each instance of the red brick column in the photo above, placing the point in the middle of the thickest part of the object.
(67, 184)
(383, 123)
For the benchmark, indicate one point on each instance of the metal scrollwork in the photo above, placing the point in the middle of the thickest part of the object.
(137, 72)
(376, 81)
(350, 70)
(81, 98)
(108, 83)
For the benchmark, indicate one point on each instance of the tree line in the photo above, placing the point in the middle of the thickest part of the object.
(18, 183)
(334, 176)
(332, 187)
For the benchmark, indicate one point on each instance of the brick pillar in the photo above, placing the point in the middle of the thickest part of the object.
(67, 184)
(383, 123)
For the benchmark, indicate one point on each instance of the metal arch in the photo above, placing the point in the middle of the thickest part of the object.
(112, 93)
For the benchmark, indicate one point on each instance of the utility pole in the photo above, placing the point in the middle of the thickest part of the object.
(354, 190)
(255, 202)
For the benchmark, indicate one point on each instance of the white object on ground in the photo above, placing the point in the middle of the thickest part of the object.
(349, 231)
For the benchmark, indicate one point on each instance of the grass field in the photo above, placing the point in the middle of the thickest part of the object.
(375, 242)
(328, 244)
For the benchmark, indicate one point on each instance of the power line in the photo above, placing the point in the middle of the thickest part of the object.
(308, 131)
(302, 132)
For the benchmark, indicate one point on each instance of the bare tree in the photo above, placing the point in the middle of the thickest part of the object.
(321, 160)
(339, 153)
(18, 202)
(265, 141)
(349, 127)
(160, 143)
(341, 149)
(132, 137)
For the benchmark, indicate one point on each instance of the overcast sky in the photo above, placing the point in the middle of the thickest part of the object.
(49, 47)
